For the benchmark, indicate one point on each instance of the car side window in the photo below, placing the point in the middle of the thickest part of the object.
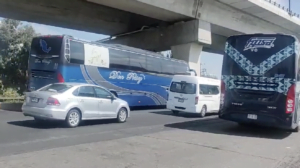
(86, 91)
(101, 93)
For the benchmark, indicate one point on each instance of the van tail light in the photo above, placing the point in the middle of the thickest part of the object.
(53, 101)
(60, 78)
(290, 100)
(167, 96)
(222, 96)
(196, 99)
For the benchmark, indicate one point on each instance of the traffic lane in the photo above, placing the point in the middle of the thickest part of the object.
(208, 142)
(21, 134)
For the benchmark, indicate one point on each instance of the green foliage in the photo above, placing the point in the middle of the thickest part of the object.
(15, 39)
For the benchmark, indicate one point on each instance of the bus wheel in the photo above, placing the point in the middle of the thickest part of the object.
(203, 111)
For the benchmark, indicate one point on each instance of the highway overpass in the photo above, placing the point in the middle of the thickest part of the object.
(185, 26)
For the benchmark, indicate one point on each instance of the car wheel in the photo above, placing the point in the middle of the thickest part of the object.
(175, 112)
(73, 118)
(122, 115)
(203, 111)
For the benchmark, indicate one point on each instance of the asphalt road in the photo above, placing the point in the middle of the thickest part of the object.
(151, 138)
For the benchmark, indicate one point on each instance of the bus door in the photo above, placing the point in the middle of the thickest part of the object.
(43, 63)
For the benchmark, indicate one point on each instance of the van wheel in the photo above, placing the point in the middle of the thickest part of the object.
(296, 129)
(203, 111)
(175, 112)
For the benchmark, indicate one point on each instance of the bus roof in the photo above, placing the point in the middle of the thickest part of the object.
(119, 47)
(270, 34)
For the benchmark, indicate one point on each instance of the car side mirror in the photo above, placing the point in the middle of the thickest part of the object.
(114, 92)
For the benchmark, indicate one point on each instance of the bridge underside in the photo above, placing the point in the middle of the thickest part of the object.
(76, 14)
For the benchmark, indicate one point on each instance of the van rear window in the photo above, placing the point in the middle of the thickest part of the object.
(183, 87)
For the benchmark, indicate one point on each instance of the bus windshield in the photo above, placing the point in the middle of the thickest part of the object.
(244, 60)
(44, 61)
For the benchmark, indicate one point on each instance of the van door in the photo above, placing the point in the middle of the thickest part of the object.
(182, 94)
(209, 96)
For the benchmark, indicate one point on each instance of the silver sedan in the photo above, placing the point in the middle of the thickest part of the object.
(74, 102)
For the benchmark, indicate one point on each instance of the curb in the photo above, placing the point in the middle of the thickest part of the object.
(17, 107)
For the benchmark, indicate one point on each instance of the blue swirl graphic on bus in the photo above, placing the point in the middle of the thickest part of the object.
(44, 46)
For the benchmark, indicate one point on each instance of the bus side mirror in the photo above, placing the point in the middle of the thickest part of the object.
(193, 72)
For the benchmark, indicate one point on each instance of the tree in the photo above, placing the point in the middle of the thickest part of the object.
(15, 39)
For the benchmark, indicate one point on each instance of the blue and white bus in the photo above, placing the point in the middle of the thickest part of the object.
(140, 77)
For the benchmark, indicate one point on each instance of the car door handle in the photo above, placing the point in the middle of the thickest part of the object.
(81, 100)
(100, 101)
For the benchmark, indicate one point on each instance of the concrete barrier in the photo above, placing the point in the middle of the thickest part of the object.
(11, 106)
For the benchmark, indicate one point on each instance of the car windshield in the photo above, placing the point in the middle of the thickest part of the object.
(59, 88)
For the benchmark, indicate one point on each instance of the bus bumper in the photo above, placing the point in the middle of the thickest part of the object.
(262, 119)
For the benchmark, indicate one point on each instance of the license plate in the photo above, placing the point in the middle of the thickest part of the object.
(252, 116)
(34, 100)
(180, 100)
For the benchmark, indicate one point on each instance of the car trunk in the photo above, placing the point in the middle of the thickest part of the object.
(38, 98)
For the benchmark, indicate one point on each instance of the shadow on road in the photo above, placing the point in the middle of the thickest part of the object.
(218, 126)
(183, 115)
(56, 124)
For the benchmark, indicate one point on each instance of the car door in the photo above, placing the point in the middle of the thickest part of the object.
(107, 106)
(88, 102)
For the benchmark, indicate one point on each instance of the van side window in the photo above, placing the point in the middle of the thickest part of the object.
(209, 89)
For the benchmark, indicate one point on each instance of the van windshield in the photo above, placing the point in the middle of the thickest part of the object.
(183, 87)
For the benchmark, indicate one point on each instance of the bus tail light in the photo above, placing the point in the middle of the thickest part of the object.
(290, 100)
(60, 78)
(222, 96)
(196, 99)
(53, 101)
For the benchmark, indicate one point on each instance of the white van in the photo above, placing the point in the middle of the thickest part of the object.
(192, 94)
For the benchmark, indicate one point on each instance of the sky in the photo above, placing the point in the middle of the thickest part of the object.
(211, 62)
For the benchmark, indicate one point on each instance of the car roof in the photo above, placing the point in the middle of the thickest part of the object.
(77, 84)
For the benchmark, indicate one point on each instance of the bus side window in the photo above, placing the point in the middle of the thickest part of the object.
(167, 67)
(118, 59)
(153, 65)
(179, 67)
(76, 52)
(137, 62)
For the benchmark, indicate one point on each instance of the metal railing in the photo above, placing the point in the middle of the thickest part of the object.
(287, 9)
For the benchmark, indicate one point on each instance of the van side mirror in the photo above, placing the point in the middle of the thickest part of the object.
(192, 72)
(167, 88)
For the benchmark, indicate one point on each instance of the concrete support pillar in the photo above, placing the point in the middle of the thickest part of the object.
(190, 53)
